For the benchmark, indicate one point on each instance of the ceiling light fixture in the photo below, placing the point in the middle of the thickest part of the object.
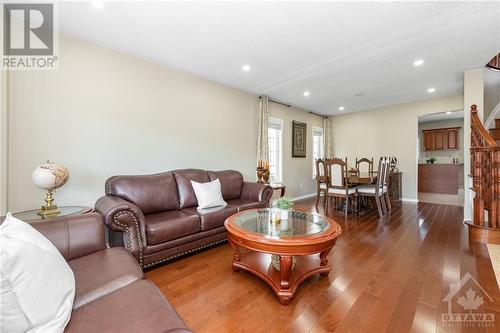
(418, 62)
(341, 108)
(246, 68)
(431, 90)
(449, 112)
(97, 4)
(307, 93)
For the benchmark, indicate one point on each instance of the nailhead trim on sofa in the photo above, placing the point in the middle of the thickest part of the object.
(127, 232)
(185, 252)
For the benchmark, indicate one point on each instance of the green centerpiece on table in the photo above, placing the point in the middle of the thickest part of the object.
(284, 204)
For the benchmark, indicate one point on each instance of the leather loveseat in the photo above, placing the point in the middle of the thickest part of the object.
(156, 217)
(111, 292)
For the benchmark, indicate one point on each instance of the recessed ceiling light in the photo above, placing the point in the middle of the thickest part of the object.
(449, 112)
(431, 90)
(341, 108)
(307, 93)
(245, 68)
(418, 62)
(97, 4)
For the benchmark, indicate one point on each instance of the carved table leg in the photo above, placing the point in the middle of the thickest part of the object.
(324, 260)
(237, 255)
(285, 269)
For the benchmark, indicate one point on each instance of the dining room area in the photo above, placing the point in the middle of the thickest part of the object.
(358, 188)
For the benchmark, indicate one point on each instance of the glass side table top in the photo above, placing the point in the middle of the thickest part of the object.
(31, 215)
(298, 224)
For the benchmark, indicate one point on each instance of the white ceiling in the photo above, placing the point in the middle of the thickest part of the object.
(335, 50)
(458, 114)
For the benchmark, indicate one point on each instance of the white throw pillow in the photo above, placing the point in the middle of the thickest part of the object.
(37, 287)
(208, 194)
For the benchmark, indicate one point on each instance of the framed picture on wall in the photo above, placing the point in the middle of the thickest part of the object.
(299, 135)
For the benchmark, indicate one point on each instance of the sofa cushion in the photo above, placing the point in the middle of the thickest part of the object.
(103, 272)
(165, 226)
(183, 177)
(231, 183)
(243, 204)
(139, 307)
(151, 193)
(212, 218)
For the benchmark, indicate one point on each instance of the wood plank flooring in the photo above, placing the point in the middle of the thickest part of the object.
(389, 275)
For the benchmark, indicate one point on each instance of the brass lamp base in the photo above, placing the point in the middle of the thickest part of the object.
(49, 209)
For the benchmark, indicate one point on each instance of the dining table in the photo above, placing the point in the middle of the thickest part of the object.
(362, 178)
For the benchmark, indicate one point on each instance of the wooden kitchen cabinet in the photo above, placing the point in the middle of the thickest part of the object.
(439, 178)
(452, 138)
(428, 140)
(441, 139)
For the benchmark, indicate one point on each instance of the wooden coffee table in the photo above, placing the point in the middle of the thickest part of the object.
(299, 247)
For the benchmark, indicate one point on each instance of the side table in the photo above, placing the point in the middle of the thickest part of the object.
(278, 187)
(31, 215)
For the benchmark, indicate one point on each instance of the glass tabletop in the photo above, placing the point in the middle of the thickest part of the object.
(32, 215)
(266, 222)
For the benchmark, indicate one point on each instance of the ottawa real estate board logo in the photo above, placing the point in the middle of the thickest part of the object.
(29, 36)
(468, 305)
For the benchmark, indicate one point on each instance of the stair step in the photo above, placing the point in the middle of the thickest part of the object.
(495, 133)
(497, 123)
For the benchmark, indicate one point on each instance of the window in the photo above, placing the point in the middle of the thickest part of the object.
(317, 147)
(274, 142)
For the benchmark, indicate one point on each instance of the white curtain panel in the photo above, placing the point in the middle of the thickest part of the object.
(262, 145)
(327, 135)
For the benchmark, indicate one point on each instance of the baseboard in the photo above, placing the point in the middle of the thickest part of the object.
(302, 197)
(409, 200)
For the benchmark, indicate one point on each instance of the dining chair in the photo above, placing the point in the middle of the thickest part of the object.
(338, 184)
(364, 161)
(321, 180)
(377, 190)
(385, 187)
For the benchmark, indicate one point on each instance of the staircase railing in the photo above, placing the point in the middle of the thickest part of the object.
(485, 171)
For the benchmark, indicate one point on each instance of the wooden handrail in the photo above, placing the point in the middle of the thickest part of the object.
(478, 128)
(485, 171)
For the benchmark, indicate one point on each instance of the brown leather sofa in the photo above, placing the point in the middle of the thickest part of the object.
(156, 217)
(111, 292)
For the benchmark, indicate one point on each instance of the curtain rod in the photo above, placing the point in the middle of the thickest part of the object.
(288, 105)
(319, 115)
(277, 102)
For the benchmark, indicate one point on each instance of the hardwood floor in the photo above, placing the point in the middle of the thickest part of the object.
(389, 275)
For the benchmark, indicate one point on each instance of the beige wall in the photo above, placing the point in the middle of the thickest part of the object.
(297, 171)
(389, 130)
(104, 113)
(442, 156)
(3, 141)
(473, 94)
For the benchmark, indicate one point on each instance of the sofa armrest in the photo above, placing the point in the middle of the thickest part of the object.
(256, 192)
(123, 216)
(74, 236)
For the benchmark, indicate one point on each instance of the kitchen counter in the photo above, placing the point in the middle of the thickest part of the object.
(439, 177)
(440, 164)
